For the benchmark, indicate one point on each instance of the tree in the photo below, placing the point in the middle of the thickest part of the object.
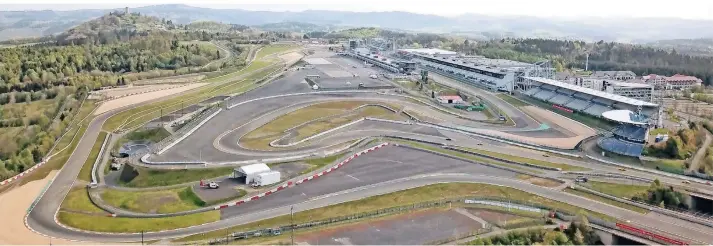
(578, 238)
(305, 36)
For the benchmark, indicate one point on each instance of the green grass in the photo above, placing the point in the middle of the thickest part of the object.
(263, 135)
(416, 195)
(466, 156)
(129, 225)
(607, 201)
(221, 85)
(671, 166)
(77, 200)
(153, 135)
(512, 101)
(274, 49)
(86, 172)
(159, 177)
(564, 167)
(654, 132)
(618, 190)
(321, 162)
(161, 201)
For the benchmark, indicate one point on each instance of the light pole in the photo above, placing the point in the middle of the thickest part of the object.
(292, 224)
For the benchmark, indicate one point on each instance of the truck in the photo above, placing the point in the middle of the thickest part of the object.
(266, 178)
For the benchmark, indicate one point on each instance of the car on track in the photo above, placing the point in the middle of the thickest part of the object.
(581, 179)
(449, 139)
(686, 182)
(622, 169)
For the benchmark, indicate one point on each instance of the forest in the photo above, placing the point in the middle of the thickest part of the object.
(579, 232)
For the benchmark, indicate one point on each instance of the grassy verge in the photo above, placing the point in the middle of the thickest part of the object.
(263, 135)
(618, 190)
(153, 135)
(538, 181)
(274, 49)
(77, 200)
(671, 166)
(86, 172)
(564, 167)
(512, 101)
(161, 201)
(130, 225)
(159, 177)
(321, 162)
(466, 156)
(607, 201)
(219, 86)
(406, 197)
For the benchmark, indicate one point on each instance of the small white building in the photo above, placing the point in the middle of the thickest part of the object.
(450, 99)
(250, 172)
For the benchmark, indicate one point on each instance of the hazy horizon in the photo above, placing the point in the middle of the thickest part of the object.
(684, 9)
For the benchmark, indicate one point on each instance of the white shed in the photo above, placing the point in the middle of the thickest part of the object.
(249, 172)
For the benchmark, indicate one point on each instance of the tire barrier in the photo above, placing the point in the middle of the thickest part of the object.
(303, 180)
(647, 234)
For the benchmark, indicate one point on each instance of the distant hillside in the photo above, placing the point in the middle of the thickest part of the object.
(300, 27)
(114, 27)
(687, 46)
(633, 30)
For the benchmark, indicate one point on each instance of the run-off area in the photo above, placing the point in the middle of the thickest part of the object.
(386, 164)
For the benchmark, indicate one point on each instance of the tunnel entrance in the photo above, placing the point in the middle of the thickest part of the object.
(617, 240)
(701, 205)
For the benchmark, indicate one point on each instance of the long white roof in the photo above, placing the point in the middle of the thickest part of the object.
(254, 168)
(596, 93)
(621, 116)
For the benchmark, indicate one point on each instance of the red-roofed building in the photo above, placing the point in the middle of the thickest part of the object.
(676, 82)
(450, 99)
(680, 82)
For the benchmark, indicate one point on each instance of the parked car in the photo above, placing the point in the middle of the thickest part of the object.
(581, 179)
(213, 185)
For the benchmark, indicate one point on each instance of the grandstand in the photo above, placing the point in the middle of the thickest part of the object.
(580, 99)
(628, 138)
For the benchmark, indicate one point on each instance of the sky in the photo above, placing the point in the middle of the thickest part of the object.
(686, 9)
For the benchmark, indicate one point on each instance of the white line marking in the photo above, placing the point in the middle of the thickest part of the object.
(353, 177)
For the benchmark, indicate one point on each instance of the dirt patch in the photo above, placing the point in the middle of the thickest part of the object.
(291, 57)
(578, 129)
(538, 181)
(135, 99)
(13, 207)
(119, 92)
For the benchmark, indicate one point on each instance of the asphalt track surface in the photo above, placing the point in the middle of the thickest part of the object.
(377, 173)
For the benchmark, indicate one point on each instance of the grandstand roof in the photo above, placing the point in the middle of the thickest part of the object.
(602, 94)
(624, 116)
(627, 84)
(431, 51)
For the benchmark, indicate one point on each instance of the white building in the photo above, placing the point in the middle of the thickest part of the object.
(682, 82)
(615, 75)
(450, 99)
(431, 52)
(639, 91)
(250, 172)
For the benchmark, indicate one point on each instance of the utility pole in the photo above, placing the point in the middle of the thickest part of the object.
(142, 237)
(292, 222)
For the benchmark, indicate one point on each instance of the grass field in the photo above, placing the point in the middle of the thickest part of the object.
(618, 190)
(538, 181)
(86, 172)
(607, 201)
(427, 193)
(79, 212)
(274, 49)
(77, 200)
(671, 166)
(161, 201)
(159, 177)
(129, 225)
(321, 162)
(564, 167)
(512, 101)
(262, 136)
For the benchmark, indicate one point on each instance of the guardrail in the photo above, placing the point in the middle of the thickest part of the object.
(191, 131)
(95, 179)
(501, 159)
(670, 175)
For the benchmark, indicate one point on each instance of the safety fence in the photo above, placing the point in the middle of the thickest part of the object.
(501, 159)
(187, 129)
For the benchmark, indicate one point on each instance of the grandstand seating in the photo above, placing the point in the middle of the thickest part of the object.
(532, 91)
(565, 91)
(544, 95)
(585, 97)
(596, 109)
(603, 101)
(549, 87)
(630, 132)
(578, 104)
(621, 147)
(560, 99)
